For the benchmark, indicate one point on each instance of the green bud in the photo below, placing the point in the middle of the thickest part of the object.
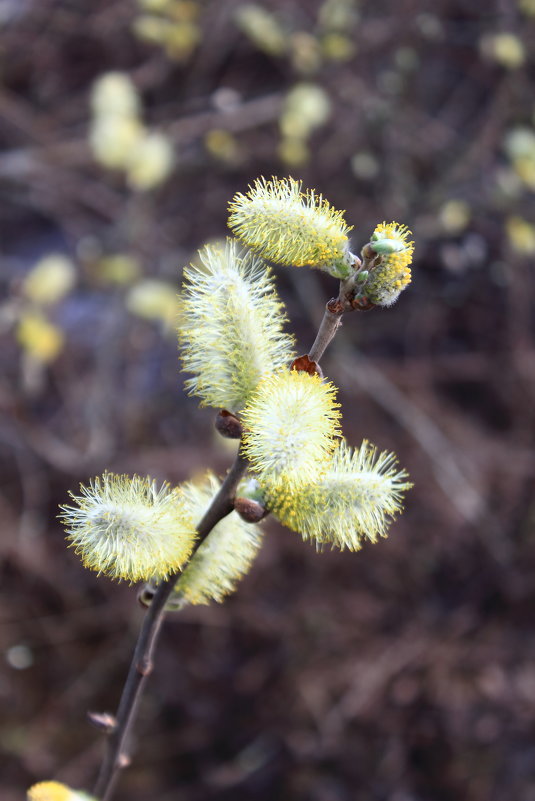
(384, 246)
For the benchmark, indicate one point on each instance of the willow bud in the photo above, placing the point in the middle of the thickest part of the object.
(391, 275)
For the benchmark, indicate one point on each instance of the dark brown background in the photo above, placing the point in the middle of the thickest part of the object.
(405, 672)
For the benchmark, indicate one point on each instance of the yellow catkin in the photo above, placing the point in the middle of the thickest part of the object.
(355, 499)
(231, 326)
(291, 426)
(287, 225)
(41, 339)
(128, 528)
(55, 791)
(392, 275)
(224, 557)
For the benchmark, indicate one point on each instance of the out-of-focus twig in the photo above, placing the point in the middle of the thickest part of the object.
(76, 153)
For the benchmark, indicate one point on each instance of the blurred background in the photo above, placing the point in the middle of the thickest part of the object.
(404, 672)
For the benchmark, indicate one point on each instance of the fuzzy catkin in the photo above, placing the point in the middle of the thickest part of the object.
(128, 528)
(231, 327)
(356, 498)
(291, 227)
(223, 558)
(56, 791)
(392, 275)
(292, 423)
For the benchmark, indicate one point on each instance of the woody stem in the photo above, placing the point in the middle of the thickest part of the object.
(142, 661)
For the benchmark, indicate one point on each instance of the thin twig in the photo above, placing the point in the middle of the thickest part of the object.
(332, 319)
(328, 328)
(142, 660)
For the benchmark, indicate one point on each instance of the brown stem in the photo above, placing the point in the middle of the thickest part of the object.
(328, 328)
(142, 660)
(332, 319)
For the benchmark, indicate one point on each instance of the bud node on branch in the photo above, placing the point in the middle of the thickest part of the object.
(145, 667)
(228, 425)
(123, 761)
(103, 721)
(249, 510)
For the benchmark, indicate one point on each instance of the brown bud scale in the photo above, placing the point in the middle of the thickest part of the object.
(362, 304)
(228, 425)
(249, 510)
(303, 364)
(335, 306)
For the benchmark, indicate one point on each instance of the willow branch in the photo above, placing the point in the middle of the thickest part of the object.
(222, 504)
(329, 326)
(332, 320)
(142, 661)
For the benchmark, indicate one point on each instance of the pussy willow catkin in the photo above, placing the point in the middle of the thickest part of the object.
(129, 528)
(291, 426)
(355, 499)
(223, 558)
(231, 326)
(288, 226)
